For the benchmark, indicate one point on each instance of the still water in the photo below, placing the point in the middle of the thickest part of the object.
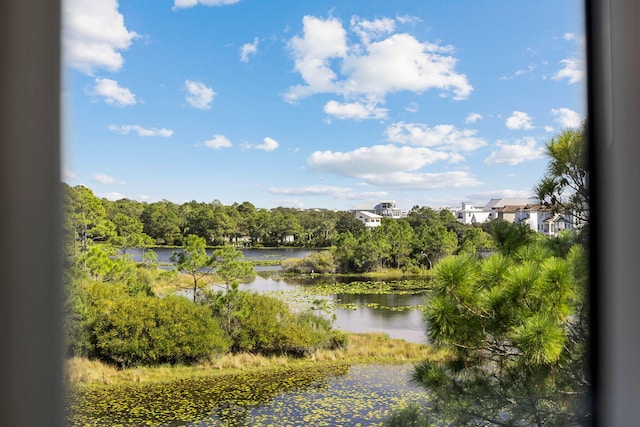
(397, 315)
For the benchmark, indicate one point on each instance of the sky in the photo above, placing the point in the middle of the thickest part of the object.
(317, 104)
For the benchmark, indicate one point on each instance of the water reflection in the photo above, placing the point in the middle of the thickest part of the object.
(360, 313)
(397, 315)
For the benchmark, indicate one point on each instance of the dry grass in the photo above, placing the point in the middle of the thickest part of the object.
(361, 348)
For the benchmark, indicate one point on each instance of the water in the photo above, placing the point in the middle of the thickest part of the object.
(398, 316)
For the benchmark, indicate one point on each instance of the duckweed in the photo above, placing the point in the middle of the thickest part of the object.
(330, 395)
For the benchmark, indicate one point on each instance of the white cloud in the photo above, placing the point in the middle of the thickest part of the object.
(354, 110)
(68, 174)
(572, 70)
(311, 190)
(248, 49)
(412, 107)
(500, 194)
(371, 69)
(141, 131)
(200, 96)
(342, 193)
(368, 30)
(113, 93)
(566, 117)
(473, 117)
(322, 40)
(368, 162)
(93, 35)
(268, 144)
(217, 142)
(440, 136)
(102, 178)
(181, 4)
(523, 150)
(425, 181)
(519, 120)
(113, 196)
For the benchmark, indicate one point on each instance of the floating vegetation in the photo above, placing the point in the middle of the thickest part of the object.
(398, 287)
(177, 403)
(328, 395)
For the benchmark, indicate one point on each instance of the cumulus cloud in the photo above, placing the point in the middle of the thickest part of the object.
(523, 150)
(425, 181)
(473, 117)
(378, 159)
(368, 30)
(519, 120)
(381, 63)
(218, 142)
(141, 131)
(199, 95)
(248, 49)
(443, 137)
(268, 144)
(102, 178)
(391, 166)
(572, 70)
(354, 110)
(566, 117)
(93, 35)
(113, 93)
(322, 41)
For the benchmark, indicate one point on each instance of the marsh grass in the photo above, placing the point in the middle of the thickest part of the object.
(360, 349)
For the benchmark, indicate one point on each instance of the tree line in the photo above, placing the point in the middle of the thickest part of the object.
(129, 223)
(416, 241)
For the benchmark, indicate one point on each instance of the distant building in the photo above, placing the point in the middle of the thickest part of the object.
(538, 217)
(371, 214)
(368, 219)
(494, 206)
(470, 214)
(542, 219)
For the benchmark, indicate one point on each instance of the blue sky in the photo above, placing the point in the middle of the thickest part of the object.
(317, 104)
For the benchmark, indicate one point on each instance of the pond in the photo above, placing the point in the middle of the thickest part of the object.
(397, 315)
(359, 395)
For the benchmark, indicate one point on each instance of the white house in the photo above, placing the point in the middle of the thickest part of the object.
(470, 214)
(541, 219)
(387, 209)
(369, 219)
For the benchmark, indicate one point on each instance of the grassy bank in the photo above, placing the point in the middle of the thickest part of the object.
(361, 348)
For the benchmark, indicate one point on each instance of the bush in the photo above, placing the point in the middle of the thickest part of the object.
(317, 262)
(263, 324)
(110, 325)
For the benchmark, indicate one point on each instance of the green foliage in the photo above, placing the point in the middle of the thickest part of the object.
(508, 237)
(410, 416)
(316, 262)
(194, 261)
(263, 324)
(565, 186)
(514, 326)
(104, 321)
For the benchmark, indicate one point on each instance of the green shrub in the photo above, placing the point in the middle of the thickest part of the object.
(263, 324)
(126, 330)
(317, 262)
